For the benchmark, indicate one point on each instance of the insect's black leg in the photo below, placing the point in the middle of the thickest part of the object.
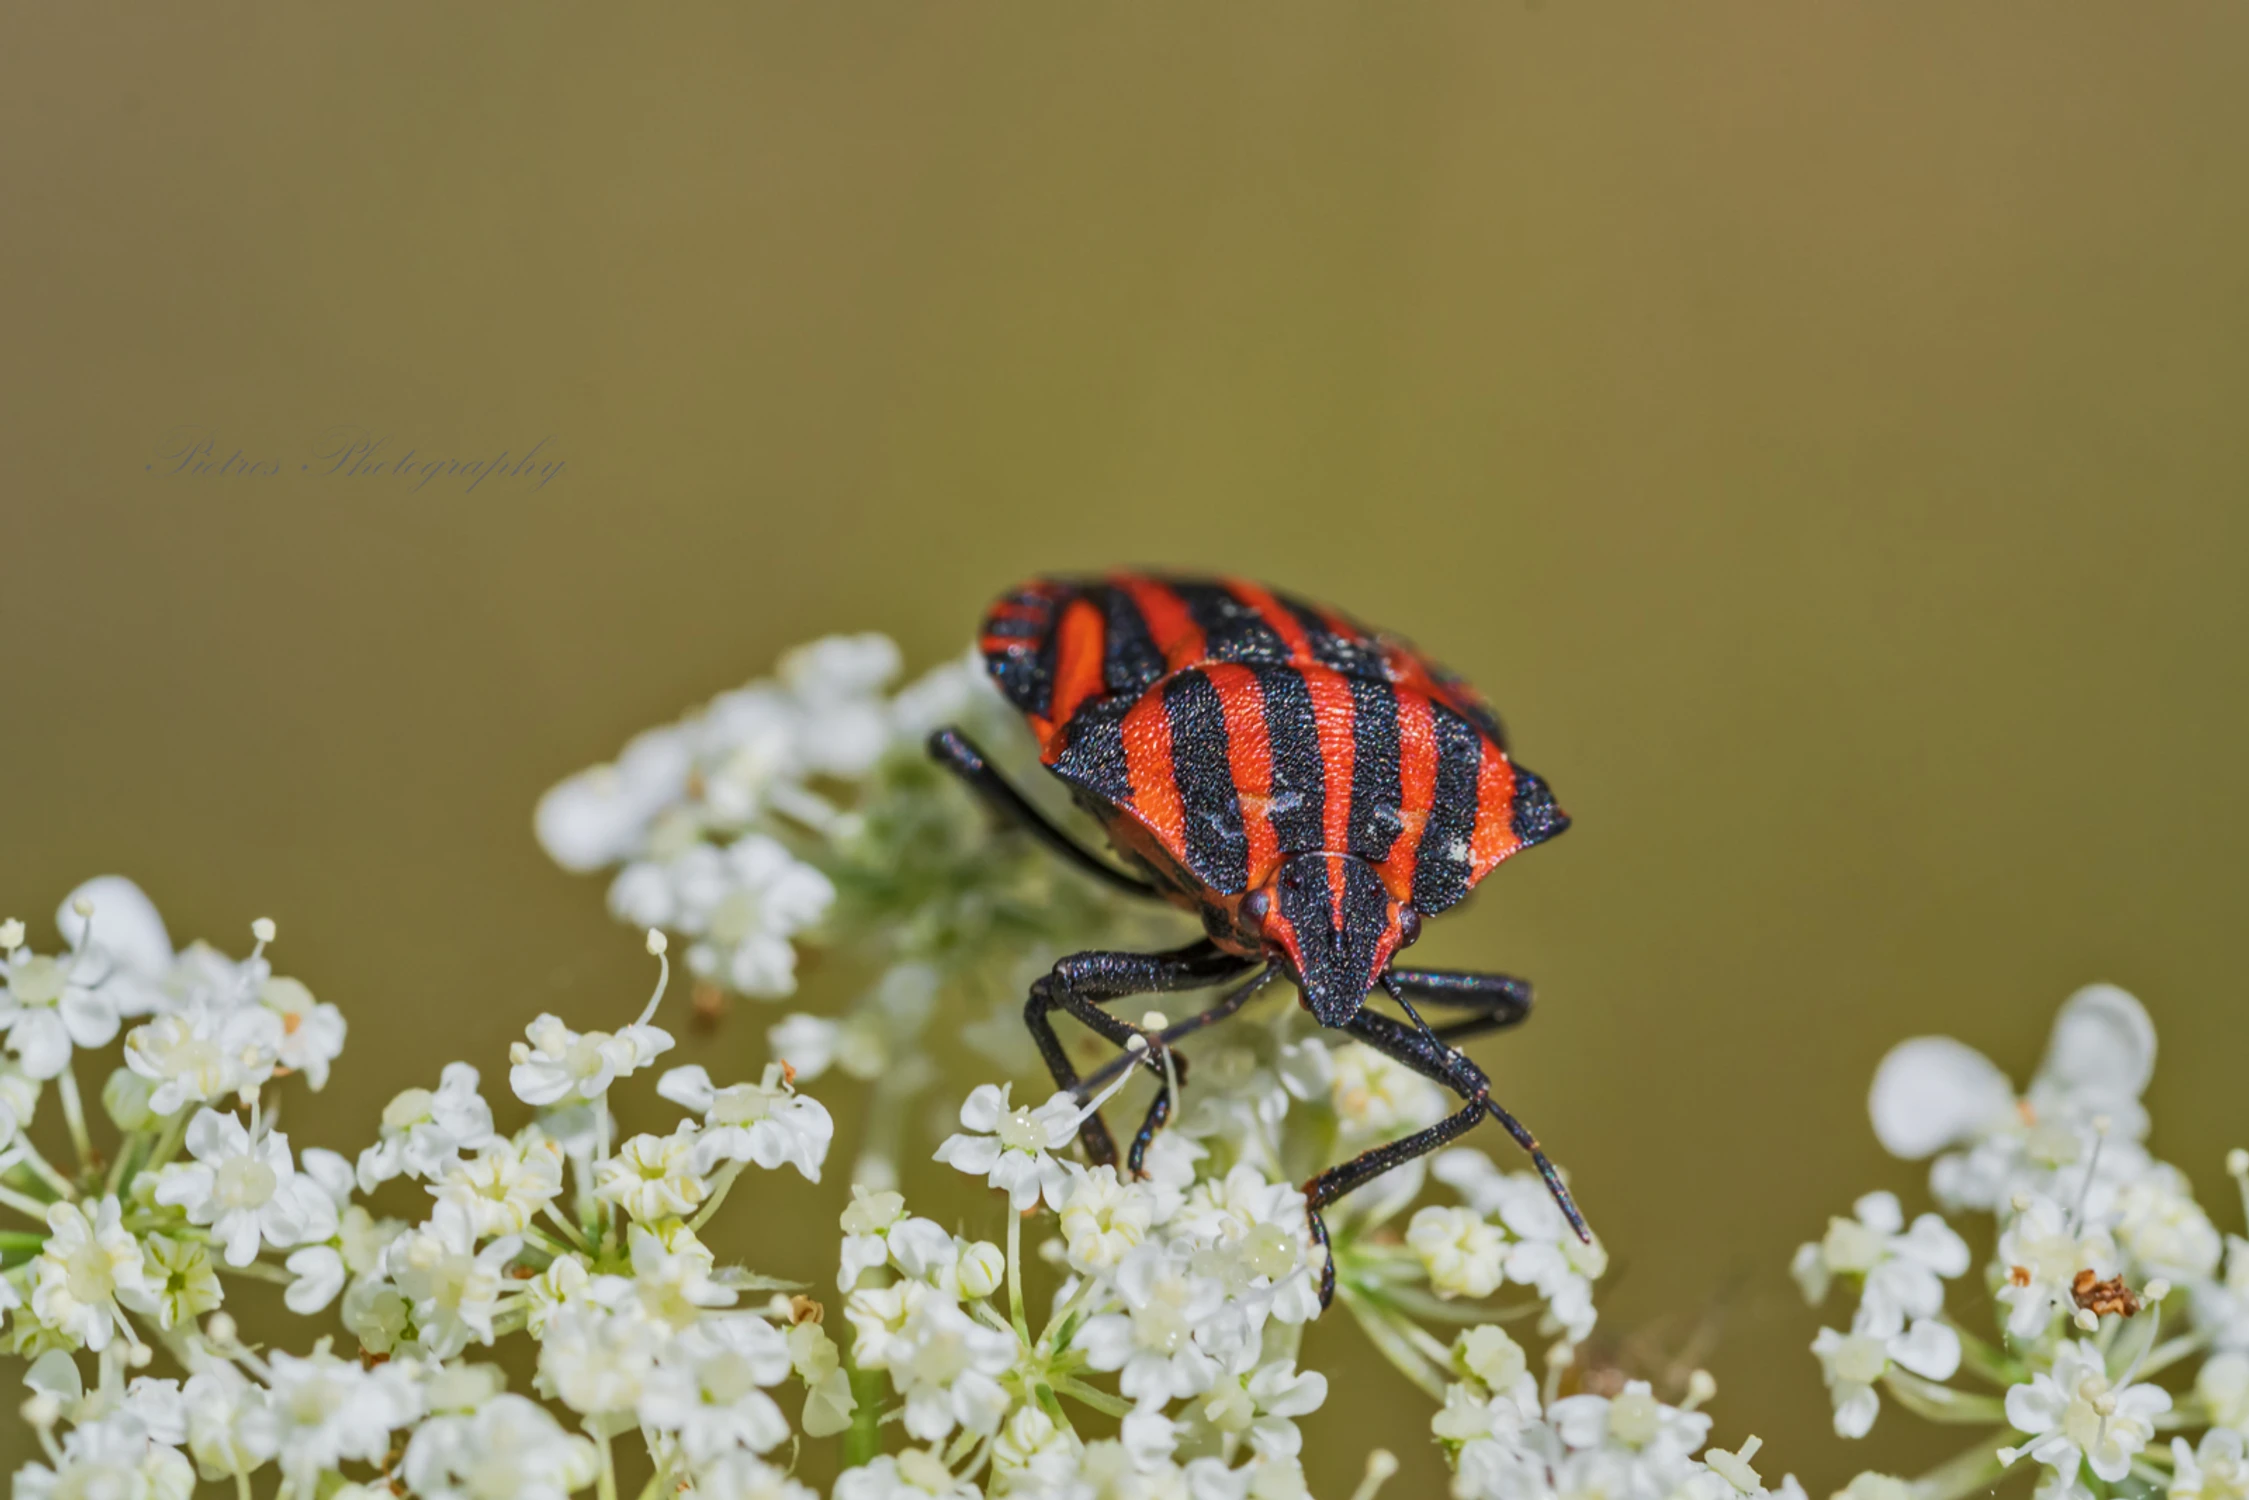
(1164, 1041)
(958, 754)
(1431, 1059)
(1494, 1001)
(1082, 983)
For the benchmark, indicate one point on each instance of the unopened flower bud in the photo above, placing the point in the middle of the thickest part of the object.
(263, 929)
(42, 1411)
(2155, 1291)
(84, 906)
(1701, 1386)
(2087, 1319)
(2237, 1160)
(140, 1356)
(219, 1329)
(657, 942)
(125, 1099)
(1155, 1020)
(983, 1267)
(1381, 1465)
(11, 936)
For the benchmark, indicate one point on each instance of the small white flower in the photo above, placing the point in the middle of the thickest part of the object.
(424, 1133)
(708, 1388)
(1852, 1363)
(916, 1474)
(2217, 1470)
(560, 1064)
(204, 1053)
(1261, 1405)
(767, 1123)
(246, 1190)
(2163, 1229)
(602, 815)
(741, 905)
(504, 1186)
(453, 1287)
(1463, 1255)
(326, 1410)
(319, 1270)
(1546, 1255)
(2039, 1258)
(595, 1361)
(509, 1448)
(1153, 1341)
(1103, 1218)
(312, 1031)
(180, 1278)
(650, 1177)
(1902, 1269)
(739, 1476)
(48, 1004)
(2075, 1413)
(224, 1430)
(89, 1269)
(1007, 1144)
(102, 1459)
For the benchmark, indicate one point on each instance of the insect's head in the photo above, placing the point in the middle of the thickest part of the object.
(1330, 920)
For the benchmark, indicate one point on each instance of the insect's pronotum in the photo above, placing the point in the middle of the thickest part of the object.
(1312, 789)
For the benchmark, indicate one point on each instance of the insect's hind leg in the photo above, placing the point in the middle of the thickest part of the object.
(1493, 1001)
(959, 754)
(1432, 1059)
(1084, 982)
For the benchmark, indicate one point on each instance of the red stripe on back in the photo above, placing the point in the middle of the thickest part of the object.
(1250, 752)
(1276, 615)
(1079, 647)
(1417, 788)
(1155, 787)
(1494, 836)
(1336, 717)
(1170, 626)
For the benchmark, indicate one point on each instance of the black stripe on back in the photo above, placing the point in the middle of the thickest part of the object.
(1352, 655)
(1130, 663)
(1375, 819)
(1093, 754)
(1232, 630)
(1299, 806)
(1217, 848)
(1441, 864)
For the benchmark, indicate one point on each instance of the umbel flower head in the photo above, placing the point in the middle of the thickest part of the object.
(1088, 1333)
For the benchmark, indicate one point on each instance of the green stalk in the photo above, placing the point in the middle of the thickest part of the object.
(1966, 1472)
(862, 1440)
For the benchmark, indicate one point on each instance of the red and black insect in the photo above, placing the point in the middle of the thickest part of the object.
(1312, 789)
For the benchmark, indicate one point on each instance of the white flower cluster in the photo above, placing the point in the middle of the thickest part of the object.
(587, 1248)
(802, 810)
(2096, 1242)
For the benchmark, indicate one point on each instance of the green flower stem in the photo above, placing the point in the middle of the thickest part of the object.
(1966, 1472)
(2170, 1352)
(1379, 1324)
(1941, 1403)
(1015, 1276)
(74, 1115)
(122, 1168)
(718, 1195)
(862, 1440)
(608, 1489)
(46, 1173)
(168, 1144)
(1987, 1363)
(1093, 1396)
(30, 1207)
(257, 1270)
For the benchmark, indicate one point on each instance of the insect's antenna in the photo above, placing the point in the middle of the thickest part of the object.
(1399, 995)
(1554, 1184)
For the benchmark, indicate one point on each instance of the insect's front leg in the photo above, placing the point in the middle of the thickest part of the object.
(1084, 982)
(1432, 1059)
(1493, 1001)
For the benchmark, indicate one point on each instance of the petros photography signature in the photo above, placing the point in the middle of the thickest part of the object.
(356, 455)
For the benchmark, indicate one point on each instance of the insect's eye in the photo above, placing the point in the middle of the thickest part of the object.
(1409, 926)
(1255, 905)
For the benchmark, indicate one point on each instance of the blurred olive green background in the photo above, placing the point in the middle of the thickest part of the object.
(1817, 426)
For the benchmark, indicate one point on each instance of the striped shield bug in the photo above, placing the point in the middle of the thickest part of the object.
(1310, 788)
